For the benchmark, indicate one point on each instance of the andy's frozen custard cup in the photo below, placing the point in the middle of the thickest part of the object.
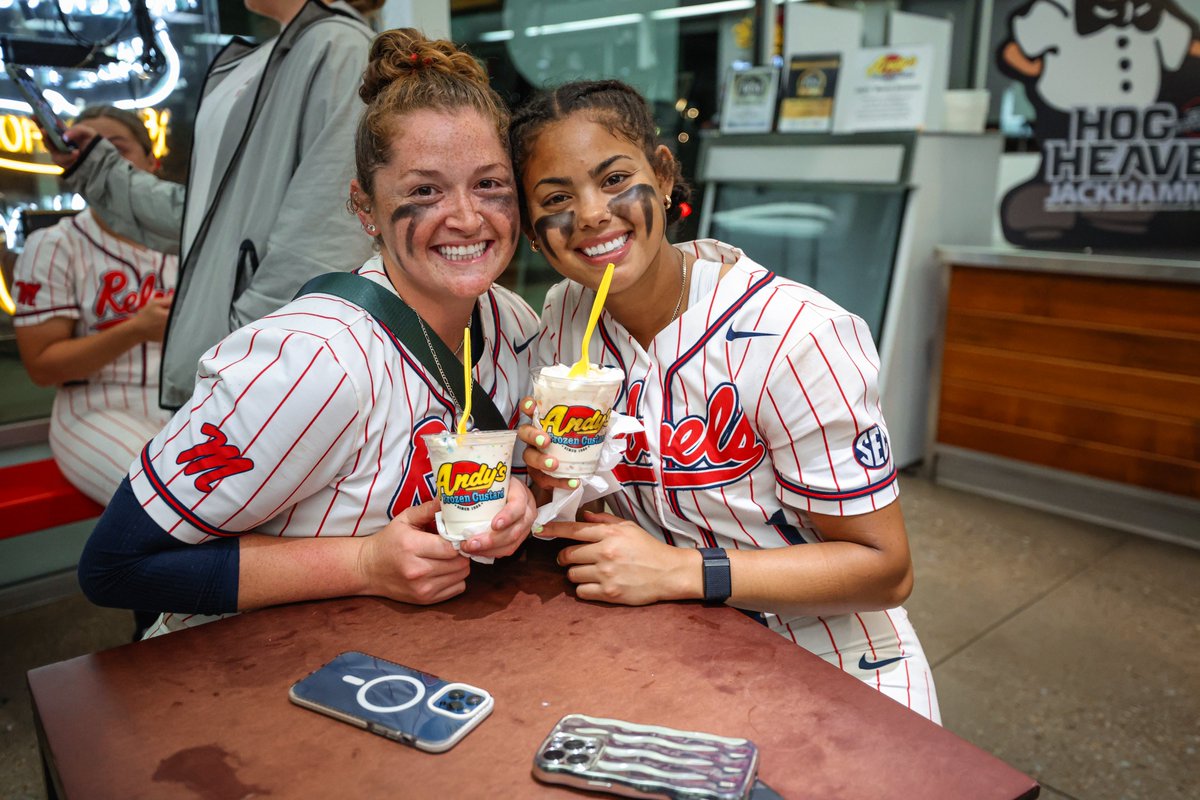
(574, 413)
(471, 472)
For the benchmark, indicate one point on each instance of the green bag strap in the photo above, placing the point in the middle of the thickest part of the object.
(402, 321)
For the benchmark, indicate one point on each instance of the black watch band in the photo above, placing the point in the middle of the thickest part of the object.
(718, 584)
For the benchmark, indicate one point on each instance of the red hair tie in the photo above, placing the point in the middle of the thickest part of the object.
(414, 58)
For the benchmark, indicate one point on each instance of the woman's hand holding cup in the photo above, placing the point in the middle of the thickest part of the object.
(538, 463)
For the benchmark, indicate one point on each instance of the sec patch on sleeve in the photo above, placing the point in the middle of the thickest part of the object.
(871, 448)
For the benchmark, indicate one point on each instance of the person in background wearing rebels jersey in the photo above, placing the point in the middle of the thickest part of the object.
(91, 310)
(764, 478)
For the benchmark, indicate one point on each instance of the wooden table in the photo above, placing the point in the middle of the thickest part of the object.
(204, 713)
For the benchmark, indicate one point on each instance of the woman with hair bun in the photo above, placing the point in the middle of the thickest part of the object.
(305, 424)
(763, 479)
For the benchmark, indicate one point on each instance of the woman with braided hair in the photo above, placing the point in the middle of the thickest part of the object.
(297, 470)
(763, 479)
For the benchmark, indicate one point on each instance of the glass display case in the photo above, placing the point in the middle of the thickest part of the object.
(808, 234)
(857, 217)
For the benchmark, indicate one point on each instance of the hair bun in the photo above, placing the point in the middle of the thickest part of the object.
(404, 54)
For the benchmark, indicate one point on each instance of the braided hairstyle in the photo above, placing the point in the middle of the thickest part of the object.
(407, 72)
(617, 106)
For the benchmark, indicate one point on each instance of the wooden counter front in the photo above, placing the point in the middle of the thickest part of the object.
(1092, 375)
(1070, 382)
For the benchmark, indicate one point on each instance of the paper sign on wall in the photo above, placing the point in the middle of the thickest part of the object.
(887, 88)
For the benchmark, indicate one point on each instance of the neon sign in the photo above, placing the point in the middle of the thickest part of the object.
(20, 136)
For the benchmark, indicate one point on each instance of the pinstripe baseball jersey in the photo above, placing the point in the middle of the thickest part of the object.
(307, 422)
(80, 271)
(760, 405)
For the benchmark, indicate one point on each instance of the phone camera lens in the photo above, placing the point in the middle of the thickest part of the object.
(553, 755)
(455, 705)
(474, 700)
(578, 758)
(456, 694)
(574, 744)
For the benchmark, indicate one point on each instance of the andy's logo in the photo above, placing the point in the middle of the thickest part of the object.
(575, 426)
(891, 65)
(416, 486)
(461, 477)
(720, 447)
(115, 303)
(216, 459)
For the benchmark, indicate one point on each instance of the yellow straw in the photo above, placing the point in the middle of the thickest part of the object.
(581, 367)
(466, 413)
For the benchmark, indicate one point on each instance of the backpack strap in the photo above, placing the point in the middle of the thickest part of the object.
(395, 315)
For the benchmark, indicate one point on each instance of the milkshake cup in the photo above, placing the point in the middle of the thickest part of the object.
(574, 413)
(471, 472)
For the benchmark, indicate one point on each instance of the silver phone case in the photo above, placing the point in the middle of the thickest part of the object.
(650, 761)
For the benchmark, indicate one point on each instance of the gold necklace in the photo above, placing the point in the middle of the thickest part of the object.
(436, 361)
(683, 285)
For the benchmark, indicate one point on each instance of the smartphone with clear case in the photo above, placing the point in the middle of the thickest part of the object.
(392, 700)
(51, 126)
(648, 761)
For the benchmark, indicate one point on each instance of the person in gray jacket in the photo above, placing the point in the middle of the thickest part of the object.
(264, 207)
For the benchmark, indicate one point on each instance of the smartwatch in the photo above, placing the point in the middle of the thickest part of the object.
(717, 583)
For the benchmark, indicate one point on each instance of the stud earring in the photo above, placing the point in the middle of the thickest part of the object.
(534, 246)
(371, 229)
(667, 202)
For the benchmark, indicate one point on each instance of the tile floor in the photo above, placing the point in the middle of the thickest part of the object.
(1069, 650)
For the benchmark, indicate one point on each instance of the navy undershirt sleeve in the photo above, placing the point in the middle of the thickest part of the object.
(130, 562)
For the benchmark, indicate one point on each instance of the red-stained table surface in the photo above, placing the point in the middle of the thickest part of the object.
(204, 713)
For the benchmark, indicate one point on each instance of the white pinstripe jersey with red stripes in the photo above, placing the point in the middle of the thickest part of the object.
(307, 422)
(760, 405)
(76, 269)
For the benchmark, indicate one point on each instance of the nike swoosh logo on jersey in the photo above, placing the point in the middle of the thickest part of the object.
(732, 335)
(517, 350)
(865, 665)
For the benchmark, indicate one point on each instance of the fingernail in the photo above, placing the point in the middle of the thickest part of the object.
(527, 405)
(537, 528)
(551, 463)
(573, 483)
(540, 440)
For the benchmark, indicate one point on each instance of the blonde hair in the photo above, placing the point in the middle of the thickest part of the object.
(407, 72)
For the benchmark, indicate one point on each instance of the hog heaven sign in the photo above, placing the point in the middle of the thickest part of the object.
(1116, 88)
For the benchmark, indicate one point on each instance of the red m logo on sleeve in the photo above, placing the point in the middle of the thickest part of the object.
(215, 459)
(26, 292)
